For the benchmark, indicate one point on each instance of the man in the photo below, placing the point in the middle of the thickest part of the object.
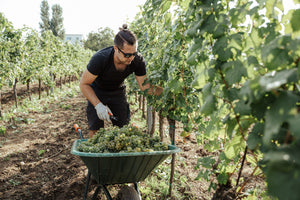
(102, 83)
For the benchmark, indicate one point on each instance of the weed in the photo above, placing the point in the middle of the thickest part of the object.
(64, 105)
(2, 130)
(41, 152)
(6, 158)
(14, 182)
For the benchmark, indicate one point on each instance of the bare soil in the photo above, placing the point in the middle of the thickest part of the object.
(36, 163)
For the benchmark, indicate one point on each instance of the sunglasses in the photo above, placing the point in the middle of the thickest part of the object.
(127, 55)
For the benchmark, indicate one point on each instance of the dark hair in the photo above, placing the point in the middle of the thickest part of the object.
(124, 35)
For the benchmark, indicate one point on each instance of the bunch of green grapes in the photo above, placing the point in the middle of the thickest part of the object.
(125, 139)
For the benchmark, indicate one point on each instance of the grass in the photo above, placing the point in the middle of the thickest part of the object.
(37, 105)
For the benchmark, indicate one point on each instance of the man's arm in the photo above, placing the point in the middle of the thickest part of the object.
(86, 89)
(85, 86)
(153, 90)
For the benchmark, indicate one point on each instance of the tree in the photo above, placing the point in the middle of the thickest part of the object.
(45, 24)
(56, 23)
(101, 39)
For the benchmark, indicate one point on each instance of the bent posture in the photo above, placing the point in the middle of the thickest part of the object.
(102, 83)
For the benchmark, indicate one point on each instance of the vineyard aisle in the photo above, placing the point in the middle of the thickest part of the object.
(36, 162)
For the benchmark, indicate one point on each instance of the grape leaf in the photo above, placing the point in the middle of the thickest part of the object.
(295, 20)
(234, 147)
(238, 15)
(192, 31)
(206, 91)
(192, 59)
(221, 26)
(220, 48)
(255, 136)
(232, 93)
(295, 126)
(260, 106)
(280, 111)
(222, 178)
(283, 173)
(274, 80)
(276, 53)
(209, 105)
(206, 162)
(196, 46)
(231, 124)
(200, 78)
(242, 108)
(234, 70)
(165, 6)
(236, 41)
(208, 24)
(270, 5)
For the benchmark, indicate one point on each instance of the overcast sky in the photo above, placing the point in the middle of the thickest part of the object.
(80, 16)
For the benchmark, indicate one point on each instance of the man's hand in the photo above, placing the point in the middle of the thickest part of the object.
(158, 90)
(155, 90)
(102, 112)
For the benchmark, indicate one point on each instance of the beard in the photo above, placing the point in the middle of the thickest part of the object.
(124, 62)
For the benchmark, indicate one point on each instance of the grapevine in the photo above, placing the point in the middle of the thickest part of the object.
(27, 57)
(230, 71)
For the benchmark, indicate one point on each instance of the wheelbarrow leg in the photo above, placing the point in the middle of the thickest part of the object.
(96, 192)
(136, 187)
(87, 185)
(106, 192)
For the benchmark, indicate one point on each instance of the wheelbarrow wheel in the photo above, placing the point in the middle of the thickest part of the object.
(128, 193)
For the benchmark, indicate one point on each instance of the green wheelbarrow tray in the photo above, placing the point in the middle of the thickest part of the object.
(118, 168)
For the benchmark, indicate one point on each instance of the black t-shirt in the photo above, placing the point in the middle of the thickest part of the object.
(102, 65)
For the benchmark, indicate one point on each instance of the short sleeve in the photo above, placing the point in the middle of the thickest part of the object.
(140, 69)
(94, 63)
(99, 60)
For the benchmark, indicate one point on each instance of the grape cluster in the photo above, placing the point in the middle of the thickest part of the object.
(125, 139)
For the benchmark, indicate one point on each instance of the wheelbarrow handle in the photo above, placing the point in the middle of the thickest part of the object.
(112, 116)
(78, 130)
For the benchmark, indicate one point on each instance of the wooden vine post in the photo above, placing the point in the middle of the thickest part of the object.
(150, 120)
(140, 102)
(0, 101)
(28, 88)
(40, 87)
(161, 125)
(15, 92)
(143, 107)
(172, 137)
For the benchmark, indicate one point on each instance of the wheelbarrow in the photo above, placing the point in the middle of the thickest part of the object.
(119, 168)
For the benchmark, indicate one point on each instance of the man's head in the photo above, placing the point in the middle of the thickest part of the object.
(125, 36)
(125, 45)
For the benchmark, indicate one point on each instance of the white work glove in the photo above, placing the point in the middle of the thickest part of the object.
(102, 112)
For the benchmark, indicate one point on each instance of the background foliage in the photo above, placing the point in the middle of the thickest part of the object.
(99, 40)
(26, 55)
(55, 24)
